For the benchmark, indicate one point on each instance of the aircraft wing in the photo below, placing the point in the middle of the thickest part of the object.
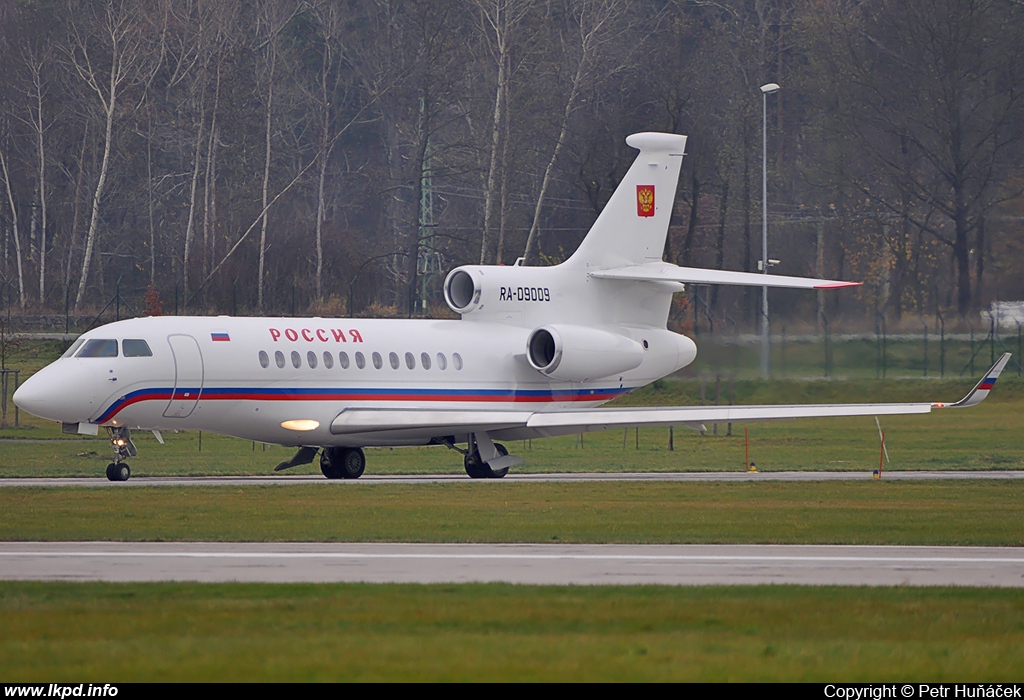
(364, 421)
(667, 272)
(587, 420)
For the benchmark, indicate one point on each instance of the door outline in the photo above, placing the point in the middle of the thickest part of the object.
(188, 375)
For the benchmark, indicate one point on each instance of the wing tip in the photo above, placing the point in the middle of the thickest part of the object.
(837, 285)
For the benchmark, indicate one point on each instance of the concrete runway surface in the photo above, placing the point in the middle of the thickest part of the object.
(515, 563)
(512, 477)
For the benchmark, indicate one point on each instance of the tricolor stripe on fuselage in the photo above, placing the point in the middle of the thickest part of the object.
(367, 394)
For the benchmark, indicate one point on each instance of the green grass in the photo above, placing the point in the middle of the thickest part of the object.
(243, 632)
(872, 512)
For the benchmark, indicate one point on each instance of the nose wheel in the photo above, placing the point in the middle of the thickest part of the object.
(118, 471)
(121, 442)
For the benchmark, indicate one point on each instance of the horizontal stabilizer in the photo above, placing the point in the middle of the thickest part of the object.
(667, 272)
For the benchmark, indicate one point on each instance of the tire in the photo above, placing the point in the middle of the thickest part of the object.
(498, 473)
(474, 467)
(327, 464)
(353, 463)
(110, 472)
(122, 472)
(479, 470)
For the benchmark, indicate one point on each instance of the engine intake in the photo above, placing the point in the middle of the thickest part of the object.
(461, 292)
(576, 353)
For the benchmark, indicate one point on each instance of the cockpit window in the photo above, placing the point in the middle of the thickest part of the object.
(74, 348)
(136, 348)
(98, 348)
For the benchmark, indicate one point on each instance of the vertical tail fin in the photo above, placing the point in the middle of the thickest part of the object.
(631, 229)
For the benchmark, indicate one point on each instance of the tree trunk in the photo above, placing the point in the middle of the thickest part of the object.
(266, 174)
(492, 170)
(14, 230)
(190, 226)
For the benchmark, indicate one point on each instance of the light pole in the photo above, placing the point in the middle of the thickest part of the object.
(765, 340)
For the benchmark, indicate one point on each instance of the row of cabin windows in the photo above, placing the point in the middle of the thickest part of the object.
(107, 347)
(312, 360)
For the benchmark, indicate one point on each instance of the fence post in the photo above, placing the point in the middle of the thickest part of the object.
(992, 340)
(942, 343)
(972, 350)
(828, 345)
(925, 348)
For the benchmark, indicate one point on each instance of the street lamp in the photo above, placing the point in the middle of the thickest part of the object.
(765, 341)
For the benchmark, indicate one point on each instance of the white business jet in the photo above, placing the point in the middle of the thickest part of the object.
(536, 351)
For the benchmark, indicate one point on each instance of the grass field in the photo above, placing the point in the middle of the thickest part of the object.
(244, 632)
(873, 512)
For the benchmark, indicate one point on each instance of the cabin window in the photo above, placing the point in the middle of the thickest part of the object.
(296, 359)
(264, 359)
(328, 360)
(343, 358)
(311, 359)
(74, 348)
(135, 348)
(377, 361)
(360, 360)
(98, 348)
(393, 359)
(425, 360)
(279, 358)
(457, 361)
(442, 361)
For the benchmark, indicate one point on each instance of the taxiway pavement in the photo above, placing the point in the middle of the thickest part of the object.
(514, 563)
(285, 480)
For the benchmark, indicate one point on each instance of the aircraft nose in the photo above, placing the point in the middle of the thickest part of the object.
(35, 397)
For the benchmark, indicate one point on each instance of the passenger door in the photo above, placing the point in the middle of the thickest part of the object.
(188, 376)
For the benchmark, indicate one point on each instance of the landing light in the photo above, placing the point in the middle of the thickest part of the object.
(301, 424)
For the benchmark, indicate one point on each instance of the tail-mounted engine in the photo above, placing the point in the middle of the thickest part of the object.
(576, 353)
(461, 291)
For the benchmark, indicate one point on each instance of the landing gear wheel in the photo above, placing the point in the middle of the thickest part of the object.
(118, 472)
(474, 467)
(479, 470)
(342, 462)
(327, 464)
(498, 473)
(353, 463)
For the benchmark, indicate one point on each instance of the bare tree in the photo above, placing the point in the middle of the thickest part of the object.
(594, 24)
(14, 226)
(106, 54)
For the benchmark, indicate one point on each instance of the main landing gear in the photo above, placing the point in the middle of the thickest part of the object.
(485, 459)
(121, 442)
(335, 462)
(342, 462)
(478, 469)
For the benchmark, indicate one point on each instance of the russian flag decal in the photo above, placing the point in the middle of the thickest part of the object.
(220, 337)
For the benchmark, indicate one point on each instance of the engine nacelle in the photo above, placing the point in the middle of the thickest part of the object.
(498, 290)
(576, 353)
(461, 291)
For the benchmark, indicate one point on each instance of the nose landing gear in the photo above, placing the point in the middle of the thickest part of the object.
(121, 442)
